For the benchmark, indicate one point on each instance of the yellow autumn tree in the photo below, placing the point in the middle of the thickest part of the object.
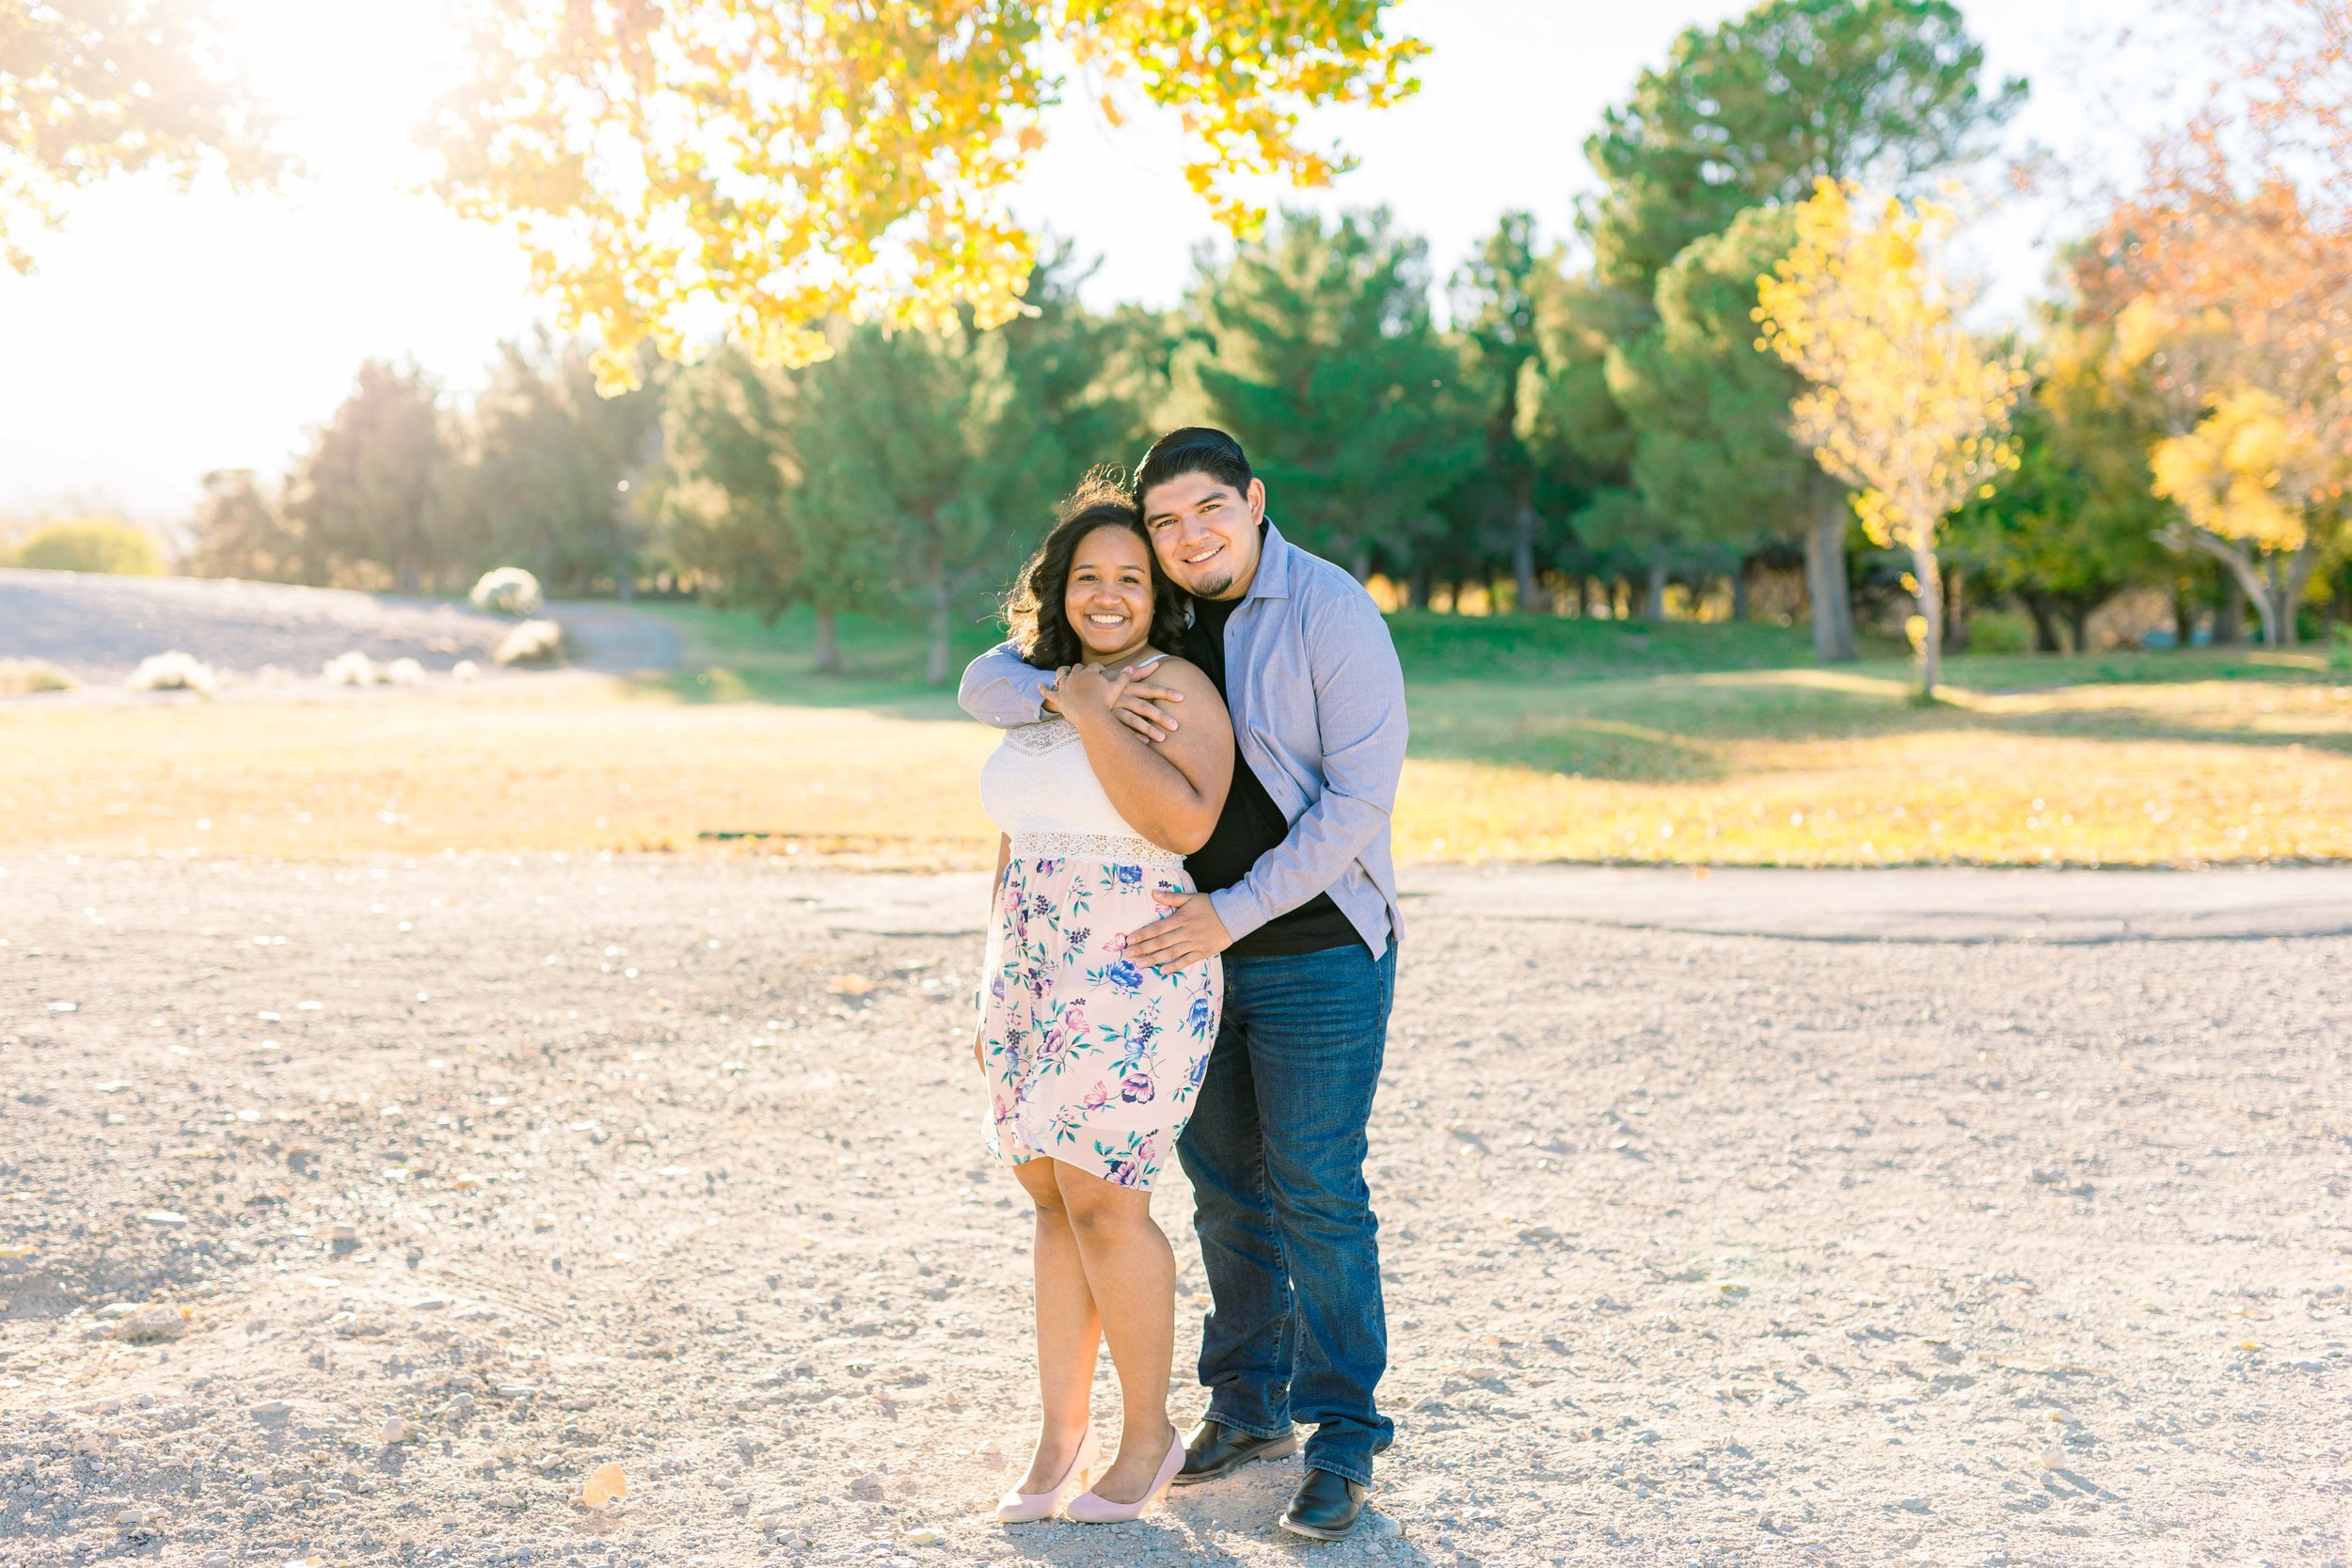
(684, 169)
(1904, 404)
(2261, 488)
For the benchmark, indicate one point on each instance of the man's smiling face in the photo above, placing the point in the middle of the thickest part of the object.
(1205, 532)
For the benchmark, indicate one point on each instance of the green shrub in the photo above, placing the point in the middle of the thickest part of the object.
(93, 545)
(21, 677)
(2000, 631)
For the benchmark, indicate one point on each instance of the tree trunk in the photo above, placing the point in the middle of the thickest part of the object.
(2078, 624)
(2241, 579)
(2229, 616)
(1654, 588)
(935, 668)
(2184, 615)
(2046, 637)
(1533, 600)
(625, 583)
(1740, 592)
(409, 578)
(1956, 611)
(2299, 568)
(1825, 583)
(828, 642)
(1420, 585)
(1923, 567)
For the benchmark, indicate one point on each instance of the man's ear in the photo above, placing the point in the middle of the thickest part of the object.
(1256, 497)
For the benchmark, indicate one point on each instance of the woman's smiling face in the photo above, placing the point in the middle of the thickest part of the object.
(1108, 597)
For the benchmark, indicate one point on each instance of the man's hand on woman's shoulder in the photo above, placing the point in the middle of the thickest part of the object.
(1131, 695)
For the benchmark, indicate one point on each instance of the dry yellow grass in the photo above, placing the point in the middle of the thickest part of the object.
(2198, 772)
(570, 763)
(1762, 768)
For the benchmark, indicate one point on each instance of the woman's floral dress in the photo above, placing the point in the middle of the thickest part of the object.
(1089, 1057)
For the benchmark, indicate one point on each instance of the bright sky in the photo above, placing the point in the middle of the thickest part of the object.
(167, 333)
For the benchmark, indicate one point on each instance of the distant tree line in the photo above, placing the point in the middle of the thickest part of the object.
(1589, 428)
(403, 489)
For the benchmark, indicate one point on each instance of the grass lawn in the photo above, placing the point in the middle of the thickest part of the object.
(1531, 740)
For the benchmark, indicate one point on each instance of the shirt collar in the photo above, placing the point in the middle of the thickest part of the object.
(1273, 580)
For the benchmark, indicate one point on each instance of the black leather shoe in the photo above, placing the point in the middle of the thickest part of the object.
(1326, 1507)
(1216, 1449)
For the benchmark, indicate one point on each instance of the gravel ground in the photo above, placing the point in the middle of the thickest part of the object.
(99, 628)
(1926, 1228)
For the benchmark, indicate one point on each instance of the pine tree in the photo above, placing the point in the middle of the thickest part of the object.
(554, 480)
(1713, 456)
(371, 492)
(1317, 349)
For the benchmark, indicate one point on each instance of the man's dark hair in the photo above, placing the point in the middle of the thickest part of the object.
(1194, 450)
(1037, 610)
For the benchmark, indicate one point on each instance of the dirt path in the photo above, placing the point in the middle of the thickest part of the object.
(1703, 1246)
(618, 640)
(98, 627)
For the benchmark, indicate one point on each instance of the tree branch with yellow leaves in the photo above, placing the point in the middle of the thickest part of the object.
(682, 170)
(90, 89)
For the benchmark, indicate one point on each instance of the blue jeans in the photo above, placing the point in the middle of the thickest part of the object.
(1275, 1153)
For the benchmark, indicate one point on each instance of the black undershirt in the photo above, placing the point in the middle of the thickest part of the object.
(1252, 824)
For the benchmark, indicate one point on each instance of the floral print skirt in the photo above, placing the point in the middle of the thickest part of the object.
(1090, 1059)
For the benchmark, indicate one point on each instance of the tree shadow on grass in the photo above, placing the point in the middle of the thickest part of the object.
(1684, 729)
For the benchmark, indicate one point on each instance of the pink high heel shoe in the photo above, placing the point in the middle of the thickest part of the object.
(1020, 1508)
(1090, 1507)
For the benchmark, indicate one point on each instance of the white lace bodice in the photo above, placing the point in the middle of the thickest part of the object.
(1039, 787)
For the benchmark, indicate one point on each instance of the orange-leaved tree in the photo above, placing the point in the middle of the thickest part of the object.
(683, 170)
(2228, 277)
(1903, 402)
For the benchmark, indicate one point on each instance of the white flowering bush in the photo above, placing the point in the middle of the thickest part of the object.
(352, 669)
(507, 590)
(174, 672)
(532, 642)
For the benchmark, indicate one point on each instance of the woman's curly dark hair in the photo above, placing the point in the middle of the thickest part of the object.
(1034, 610)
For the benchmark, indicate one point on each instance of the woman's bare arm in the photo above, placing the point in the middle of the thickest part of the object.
(1171, 790)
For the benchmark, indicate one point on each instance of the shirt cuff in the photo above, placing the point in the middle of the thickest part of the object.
(1236, 911)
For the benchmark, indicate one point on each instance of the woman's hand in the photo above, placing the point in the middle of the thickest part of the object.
(1089, 692)
(1139, 703)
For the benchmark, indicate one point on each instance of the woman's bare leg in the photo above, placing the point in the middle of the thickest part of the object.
(1068, 1332)
(1131, 1273)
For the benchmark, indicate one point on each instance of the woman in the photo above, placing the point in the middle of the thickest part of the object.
(1091, 1060)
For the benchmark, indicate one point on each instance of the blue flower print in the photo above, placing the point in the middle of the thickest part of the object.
(1123, 975)
(1200, 1018)
(1130, 876)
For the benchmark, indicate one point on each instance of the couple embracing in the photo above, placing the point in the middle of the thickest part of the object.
(1193, 952)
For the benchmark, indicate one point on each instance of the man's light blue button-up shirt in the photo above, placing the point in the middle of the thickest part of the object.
(1318, 704)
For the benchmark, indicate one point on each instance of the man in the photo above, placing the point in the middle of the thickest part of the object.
(1299, 893)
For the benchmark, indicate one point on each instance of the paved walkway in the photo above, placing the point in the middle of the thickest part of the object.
(1910, 905)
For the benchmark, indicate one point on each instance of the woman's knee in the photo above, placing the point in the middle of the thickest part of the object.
(1037, 1179)
(1097, 1207)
